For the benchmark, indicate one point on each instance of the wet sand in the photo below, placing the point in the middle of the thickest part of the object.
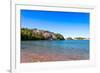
(29, 57)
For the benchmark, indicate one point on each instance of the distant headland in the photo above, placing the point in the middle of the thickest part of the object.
(37, 34)
(77, 38)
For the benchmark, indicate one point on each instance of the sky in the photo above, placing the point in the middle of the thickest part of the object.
(69, 24)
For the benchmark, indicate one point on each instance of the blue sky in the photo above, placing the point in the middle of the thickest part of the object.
(69, 24)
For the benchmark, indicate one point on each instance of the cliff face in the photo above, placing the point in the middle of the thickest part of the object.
(35, 34)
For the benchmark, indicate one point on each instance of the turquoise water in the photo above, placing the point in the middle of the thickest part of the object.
(63, 47)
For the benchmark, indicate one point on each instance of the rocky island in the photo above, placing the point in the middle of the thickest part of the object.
(36, 34)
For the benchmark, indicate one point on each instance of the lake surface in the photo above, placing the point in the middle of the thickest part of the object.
(58, 47)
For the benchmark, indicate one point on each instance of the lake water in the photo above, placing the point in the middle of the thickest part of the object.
(59, 47)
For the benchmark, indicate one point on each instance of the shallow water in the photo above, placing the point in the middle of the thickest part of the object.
(58, 47)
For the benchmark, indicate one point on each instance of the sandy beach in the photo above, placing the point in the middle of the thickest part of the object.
(29, 57)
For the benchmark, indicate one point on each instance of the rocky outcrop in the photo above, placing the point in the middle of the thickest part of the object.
(35, 34)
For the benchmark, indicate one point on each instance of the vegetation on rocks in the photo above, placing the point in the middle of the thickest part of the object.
(35, 34)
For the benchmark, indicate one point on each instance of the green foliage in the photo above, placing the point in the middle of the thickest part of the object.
(69, 38)
(80, 38)
(59, 36)
(35, 34)
(32, 34)
(26, 34)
